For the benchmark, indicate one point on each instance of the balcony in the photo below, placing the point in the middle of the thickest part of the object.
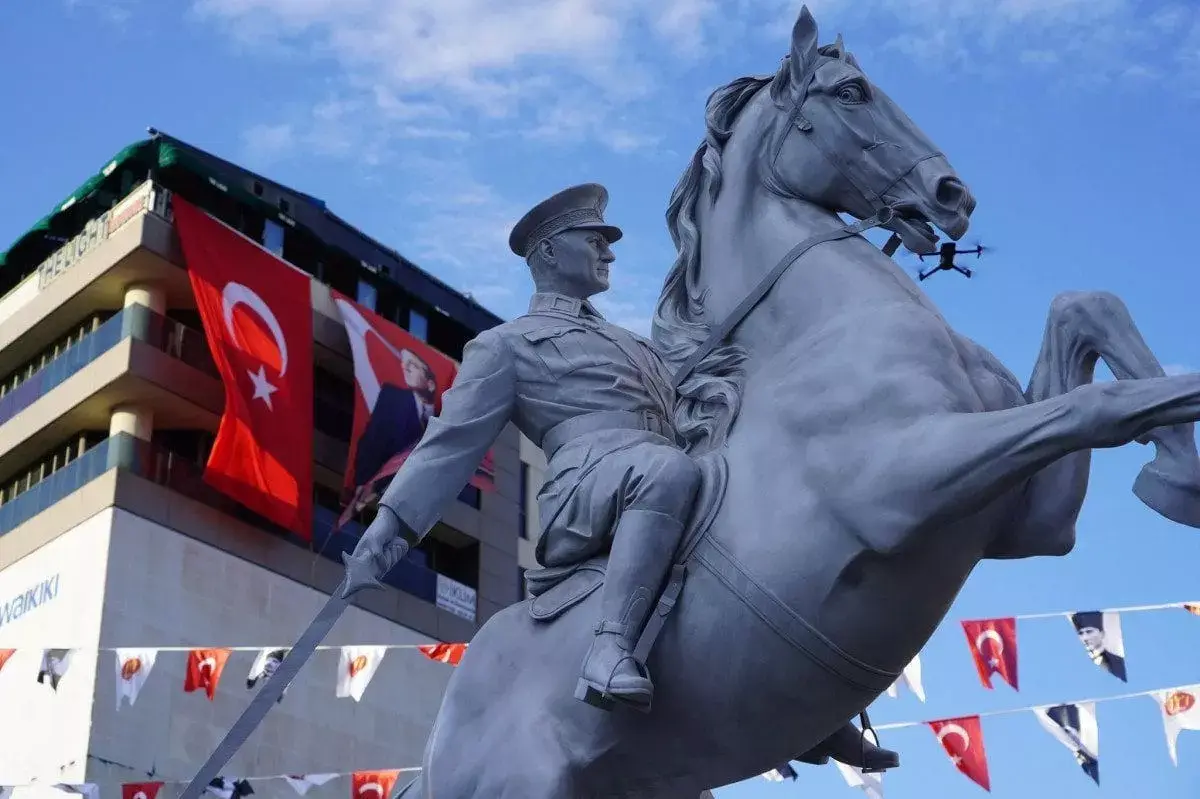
(137, 322)
(183, 475)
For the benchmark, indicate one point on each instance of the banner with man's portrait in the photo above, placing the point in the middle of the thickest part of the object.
(399, 381)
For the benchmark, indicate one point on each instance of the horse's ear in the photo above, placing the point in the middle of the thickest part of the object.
(803, 55)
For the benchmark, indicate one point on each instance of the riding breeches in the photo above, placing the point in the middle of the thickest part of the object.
(592, 480)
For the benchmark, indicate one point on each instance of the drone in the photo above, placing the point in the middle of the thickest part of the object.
(946, 255)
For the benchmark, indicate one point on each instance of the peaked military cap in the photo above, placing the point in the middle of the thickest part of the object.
(579, 207)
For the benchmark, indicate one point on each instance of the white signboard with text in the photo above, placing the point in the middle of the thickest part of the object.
(50, 611)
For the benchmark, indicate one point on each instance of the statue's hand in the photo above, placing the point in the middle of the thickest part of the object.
(381, 547)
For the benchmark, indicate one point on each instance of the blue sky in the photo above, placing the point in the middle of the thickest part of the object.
(434, 124)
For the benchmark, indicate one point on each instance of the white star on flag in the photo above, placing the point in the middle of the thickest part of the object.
(356, 667)
(262, 387)
(911, 677)
(872, 784)
(133, 668)
(302, 782)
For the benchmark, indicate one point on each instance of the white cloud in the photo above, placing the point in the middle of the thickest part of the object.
(446, 79)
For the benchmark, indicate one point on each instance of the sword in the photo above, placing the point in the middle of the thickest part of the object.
(362, 572)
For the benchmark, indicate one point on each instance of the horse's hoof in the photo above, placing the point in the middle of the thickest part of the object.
(593, 695)
(1175, 498)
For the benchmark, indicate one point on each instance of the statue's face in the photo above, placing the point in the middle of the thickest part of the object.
(579, 262)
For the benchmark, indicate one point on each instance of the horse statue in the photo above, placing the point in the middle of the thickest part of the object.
(860, 458)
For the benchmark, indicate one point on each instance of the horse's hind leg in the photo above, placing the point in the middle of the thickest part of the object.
(1082, 326)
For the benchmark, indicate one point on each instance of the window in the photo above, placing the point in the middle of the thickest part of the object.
(272, 238)
(523, 504)
(418, 325)
(470, 495)
(367, 296)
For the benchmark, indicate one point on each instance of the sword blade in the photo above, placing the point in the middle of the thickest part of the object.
(266, 698)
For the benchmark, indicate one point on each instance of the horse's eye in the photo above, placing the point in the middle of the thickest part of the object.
(851, 94)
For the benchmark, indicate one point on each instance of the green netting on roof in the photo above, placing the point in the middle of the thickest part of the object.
(94, 196)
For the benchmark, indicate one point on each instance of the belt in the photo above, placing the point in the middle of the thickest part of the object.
(599, 421)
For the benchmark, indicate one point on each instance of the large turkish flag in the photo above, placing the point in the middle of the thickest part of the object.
(257, 314)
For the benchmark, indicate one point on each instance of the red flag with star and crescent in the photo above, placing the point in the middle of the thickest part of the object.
(257, 315)
(993, 645)
(451, 654)
(204, 667)
(140, 790)
(373, 784)
(962, 738)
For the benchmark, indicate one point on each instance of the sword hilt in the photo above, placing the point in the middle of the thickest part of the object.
(381, 547)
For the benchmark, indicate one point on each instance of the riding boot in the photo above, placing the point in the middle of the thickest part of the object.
(643, 551)
(849, 746)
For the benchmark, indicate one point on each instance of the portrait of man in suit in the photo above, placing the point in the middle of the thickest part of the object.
(397, 420)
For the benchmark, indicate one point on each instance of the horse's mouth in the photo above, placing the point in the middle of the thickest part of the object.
(914, 231)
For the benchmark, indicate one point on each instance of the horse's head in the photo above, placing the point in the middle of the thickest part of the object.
(848, 147)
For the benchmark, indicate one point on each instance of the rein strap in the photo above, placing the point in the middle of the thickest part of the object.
(882, 217)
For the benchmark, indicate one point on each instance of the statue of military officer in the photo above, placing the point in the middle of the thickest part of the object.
(598, 400)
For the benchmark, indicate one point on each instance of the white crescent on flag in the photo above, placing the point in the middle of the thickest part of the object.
(357, 328)
(235, 294)
(371, 787)
(990, 635)
(954, 729)
(210, 663)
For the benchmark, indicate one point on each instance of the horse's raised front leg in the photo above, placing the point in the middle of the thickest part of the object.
(1080, 327)
(947, 466)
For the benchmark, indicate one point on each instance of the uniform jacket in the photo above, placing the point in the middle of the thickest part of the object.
(560, 360)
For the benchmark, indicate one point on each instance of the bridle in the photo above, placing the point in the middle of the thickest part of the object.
(884, 215)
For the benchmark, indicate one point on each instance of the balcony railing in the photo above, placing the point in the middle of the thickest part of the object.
(135, 321)
(70, 478)
(166, 468)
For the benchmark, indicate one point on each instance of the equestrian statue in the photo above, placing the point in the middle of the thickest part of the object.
(755, 519)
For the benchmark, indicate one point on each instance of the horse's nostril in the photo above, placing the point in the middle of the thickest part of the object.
(950, 192)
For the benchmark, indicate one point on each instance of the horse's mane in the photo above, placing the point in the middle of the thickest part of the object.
(710, 397)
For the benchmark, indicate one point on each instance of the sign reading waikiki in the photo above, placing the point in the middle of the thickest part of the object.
(29, 600)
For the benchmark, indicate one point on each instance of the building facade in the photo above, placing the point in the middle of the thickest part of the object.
(110, 539)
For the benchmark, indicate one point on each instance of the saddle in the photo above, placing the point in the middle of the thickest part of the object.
(558, 589)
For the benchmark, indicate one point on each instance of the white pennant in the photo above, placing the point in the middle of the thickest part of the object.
(1083, 742)
(133, 668)
(55, 663)
(871, 784)
(911, 677)
(302, 782)
(1180, 708)
(356, 667)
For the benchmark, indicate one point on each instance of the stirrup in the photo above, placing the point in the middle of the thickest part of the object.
(865, 721)
(587, 691)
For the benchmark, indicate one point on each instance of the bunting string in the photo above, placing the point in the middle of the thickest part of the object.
(324, 776)
(1192, 607)
(1012, 711)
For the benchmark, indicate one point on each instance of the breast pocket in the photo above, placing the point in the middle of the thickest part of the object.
(564, 349)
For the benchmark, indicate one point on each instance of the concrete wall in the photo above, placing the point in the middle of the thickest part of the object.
(51, 598)
(165, 589)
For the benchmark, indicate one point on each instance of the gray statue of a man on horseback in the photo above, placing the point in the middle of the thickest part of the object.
(772, 504)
